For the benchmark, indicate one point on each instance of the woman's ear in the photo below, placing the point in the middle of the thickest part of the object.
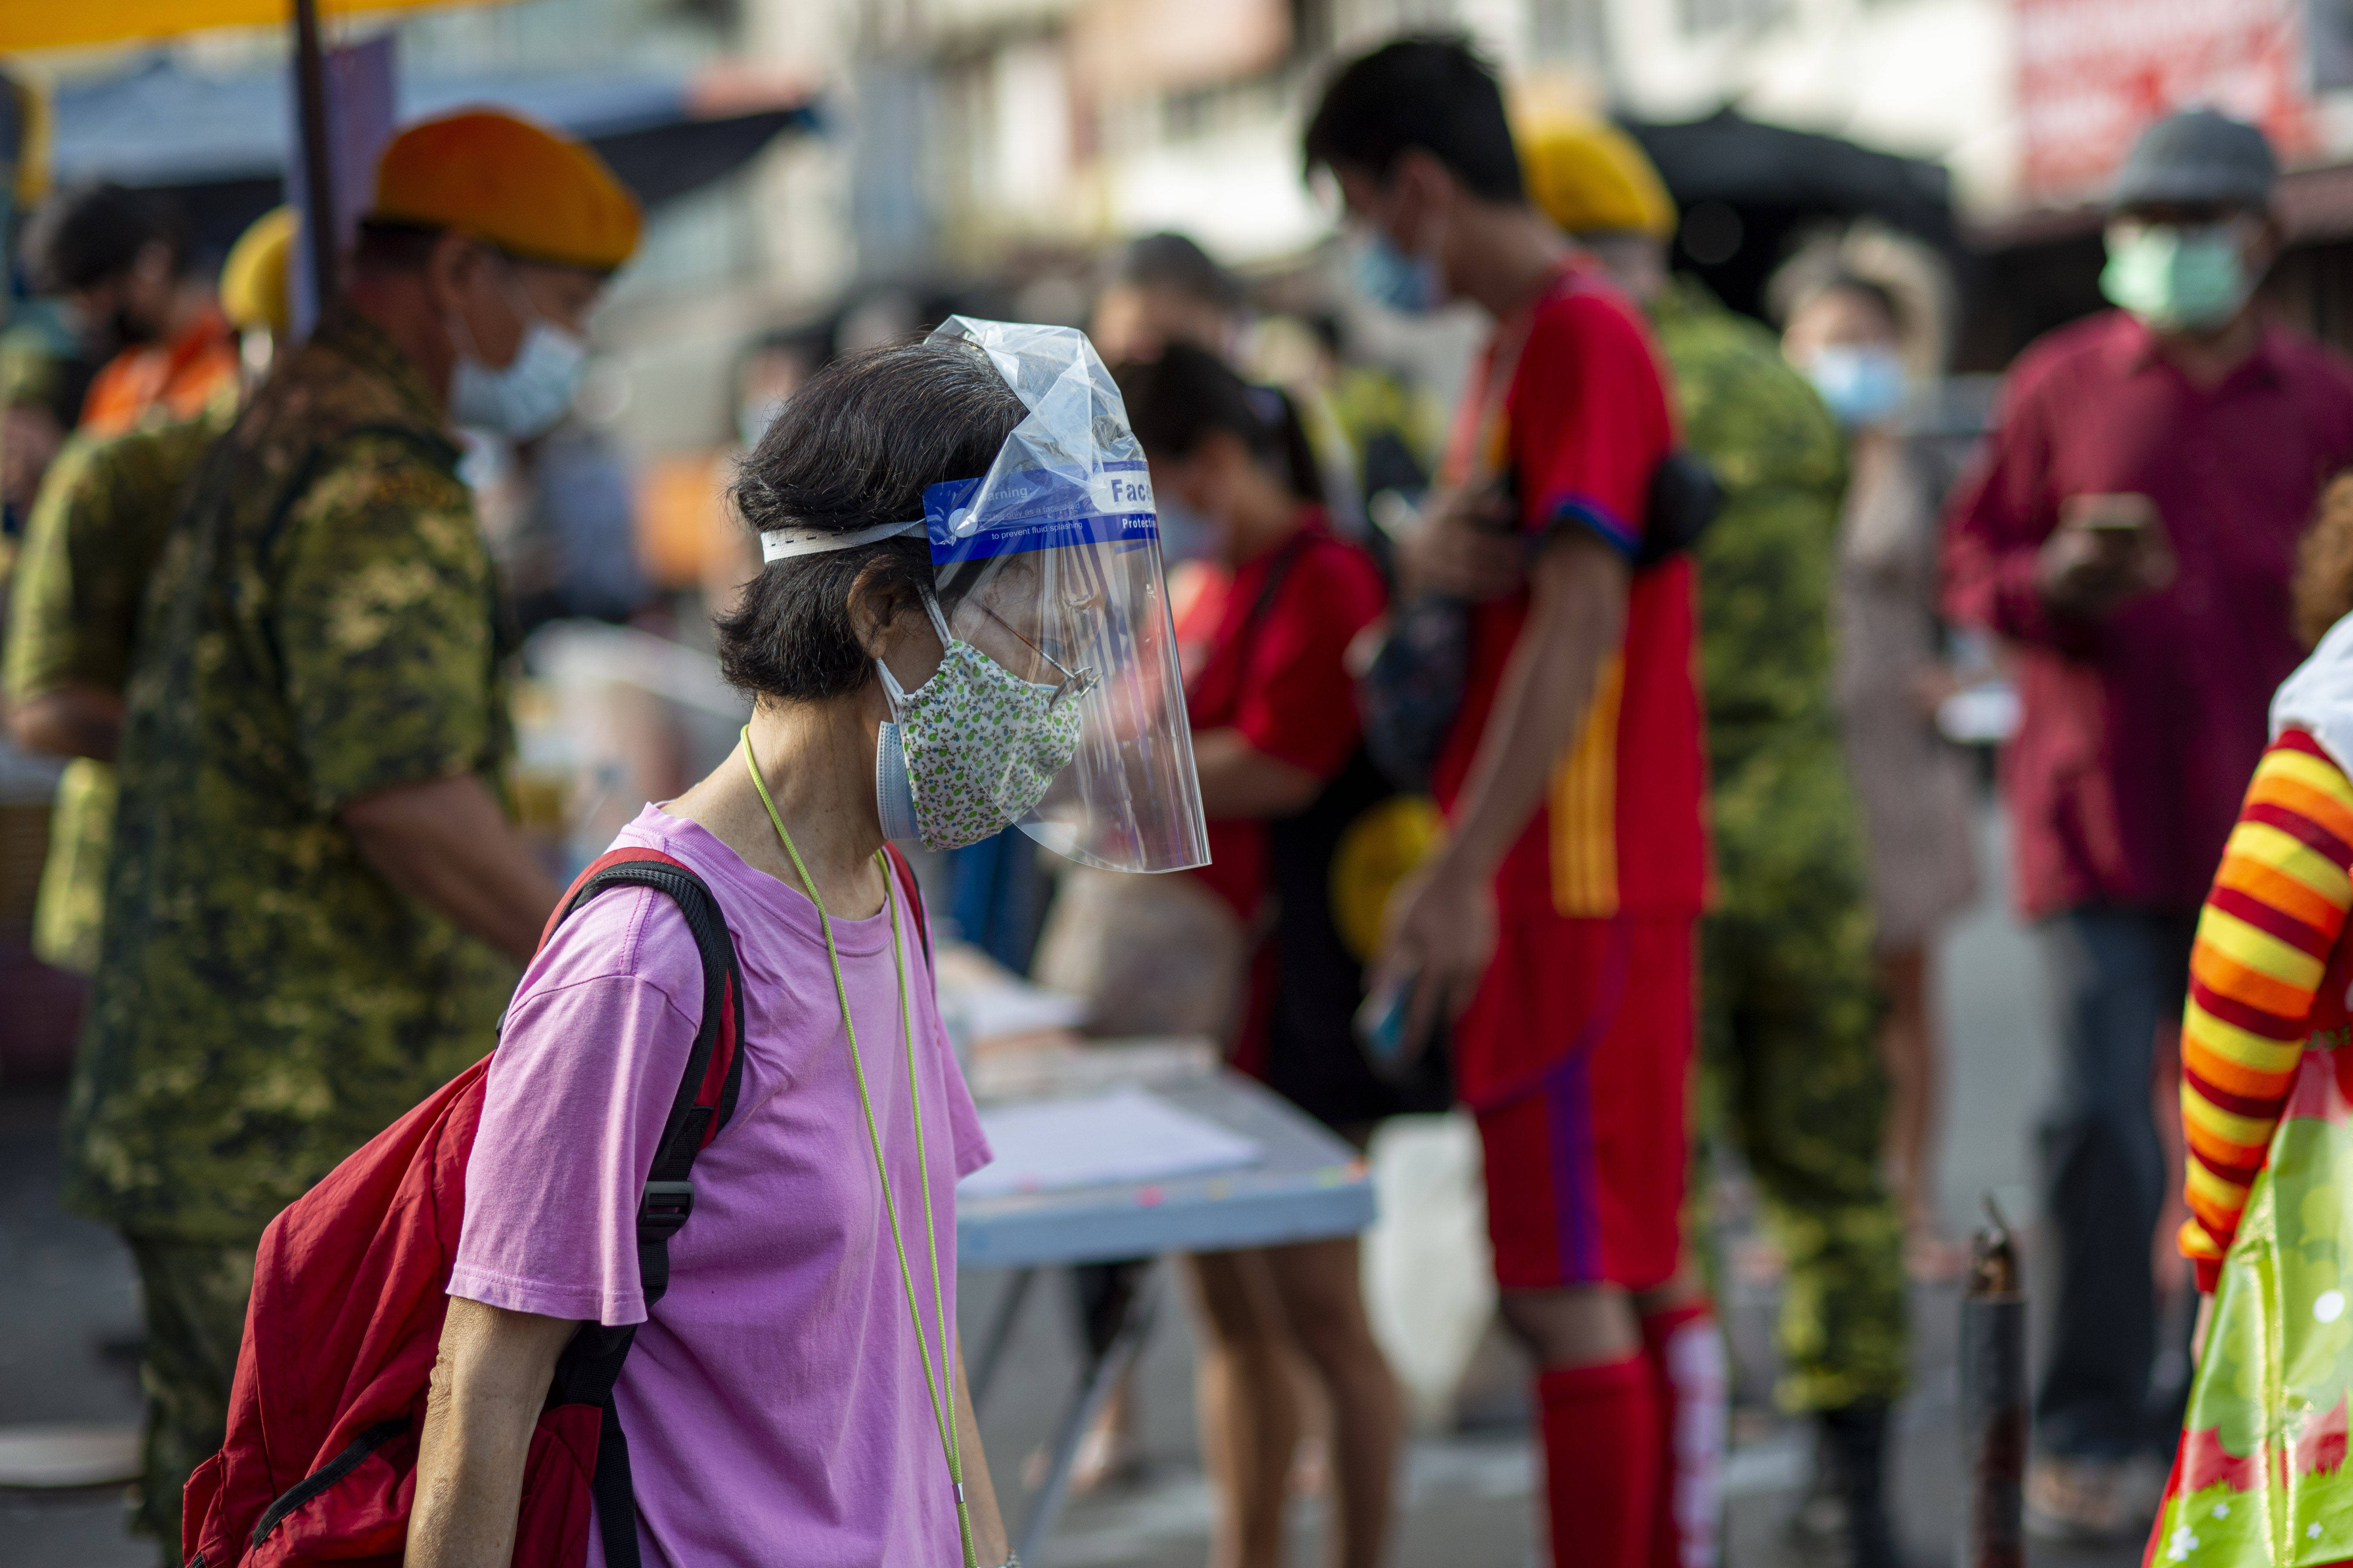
(880, 601)
(888, 618)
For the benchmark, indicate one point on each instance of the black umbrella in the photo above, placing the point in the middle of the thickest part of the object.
(1750, 191)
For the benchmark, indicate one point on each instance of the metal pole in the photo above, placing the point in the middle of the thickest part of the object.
(982, 1375)
(1129, 1312)
(1993, 1404)
(318, 156)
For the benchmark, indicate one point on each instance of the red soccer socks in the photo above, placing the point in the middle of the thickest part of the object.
(1604, 1439)
(1684, 1353)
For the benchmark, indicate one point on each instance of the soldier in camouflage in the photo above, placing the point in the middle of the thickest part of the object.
(1790, 1007)
(316, 904)
(81, 575)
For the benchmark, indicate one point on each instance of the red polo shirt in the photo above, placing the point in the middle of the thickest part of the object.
(2141, 729)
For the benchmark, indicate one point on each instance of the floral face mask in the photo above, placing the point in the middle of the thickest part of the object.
(975, 747)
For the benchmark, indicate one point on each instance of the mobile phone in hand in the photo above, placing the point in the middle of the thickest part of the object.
(2124, 513)
(1380, 1029)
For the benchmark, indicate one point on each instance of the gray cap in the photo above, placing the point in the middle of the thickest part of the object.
(2196, 156)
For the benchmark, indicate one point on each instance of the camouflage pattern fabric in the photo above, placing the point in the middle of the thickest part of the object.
(88, 551)
(37, 368)
(321, 626)
(1790, 1007)
(195, 1295)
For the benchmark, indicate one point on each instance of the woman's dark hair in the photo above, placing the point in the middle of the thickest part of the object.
(853, 448)
(1173, 261)
(1175, 400)
(1429, 90)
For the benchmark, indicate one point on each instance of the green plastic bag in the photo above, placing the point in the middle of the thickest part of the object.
(2260, 1476)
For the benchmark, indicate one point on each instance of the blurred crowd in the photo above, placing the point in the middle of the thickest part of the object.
(1582, 746)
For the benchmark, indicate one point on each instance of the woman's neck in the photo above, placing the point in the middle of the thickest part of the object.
(817, 761)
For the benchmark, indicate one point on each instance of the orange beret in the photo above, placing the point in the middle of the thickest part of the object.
(529, 191)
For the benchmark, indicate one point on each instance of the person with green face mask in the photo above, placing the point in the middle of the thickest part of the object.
(2131, 531)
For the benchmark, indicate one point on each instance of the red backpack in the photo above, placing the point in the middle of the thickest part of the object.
(349, 1295)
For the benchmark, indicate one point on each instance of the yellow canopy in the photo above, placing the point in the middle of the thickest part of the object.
(54, 24)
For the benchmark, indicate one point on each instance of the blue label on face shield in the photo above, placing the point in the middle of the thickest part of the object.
(1042, 508)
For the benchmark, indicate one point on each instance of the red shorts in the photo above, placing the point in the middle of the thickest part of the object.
(1580, 1044)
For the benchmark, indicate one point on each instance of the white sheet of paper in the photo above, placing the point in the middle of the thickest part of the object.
(1128, 1135)
(993, 1012)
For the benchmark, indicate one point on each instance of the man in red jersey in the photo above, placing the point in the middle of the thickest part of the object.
(1556, 924)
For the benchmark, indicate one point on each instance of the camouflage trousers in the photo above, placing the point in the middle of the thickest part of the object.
(195, 1294)
(1791, 1075)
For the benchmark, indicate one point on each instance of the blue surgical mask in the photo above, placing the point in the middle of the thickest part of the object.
(527, 397)
(1862, 383)
(530, 395)
(1387, 276)
(2175, 278)
(895, 795)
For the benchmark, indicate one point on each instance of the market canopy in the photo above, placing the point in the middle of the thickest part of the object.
(218, 142)
(61, 24)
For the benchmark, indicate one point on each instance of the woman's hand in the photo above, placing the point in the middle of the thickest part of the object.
(488, 1383)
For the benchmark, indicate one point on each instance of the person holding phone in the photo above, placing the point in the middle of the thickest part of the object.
(2130, 530)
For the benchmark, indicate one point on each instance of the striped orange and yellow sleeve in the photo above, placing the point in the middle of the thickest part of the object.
(2263, 942)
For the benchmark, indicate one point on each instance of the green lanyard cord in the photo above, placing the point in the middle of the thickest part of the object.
(939, 1387)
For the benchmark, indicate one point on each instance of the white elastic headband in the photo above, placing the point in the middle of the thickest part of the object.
(782, 543)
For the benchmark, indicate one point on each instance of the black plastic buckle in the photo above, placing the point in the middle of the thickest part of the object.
(665, 1207)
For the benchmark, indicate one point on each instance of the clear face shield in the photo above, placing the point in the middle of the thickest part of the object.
(1058, 705)
(1050, 565)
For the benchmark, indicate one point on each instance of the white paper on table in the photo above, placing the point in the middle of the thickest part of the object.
(1128, 1135)
(995, 1012)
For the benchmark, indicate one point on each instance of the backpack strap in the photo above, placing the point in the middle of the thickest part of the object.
(591, 1364)
(706, 1093)
(907, 884)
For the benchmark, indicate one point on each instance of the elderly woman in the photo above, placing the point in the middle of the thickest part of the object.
(916, 671)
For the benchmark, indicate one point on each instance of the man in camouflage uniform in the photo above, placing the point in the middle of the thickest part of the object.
(1790, 1007)
(316, 905)
(81, 575)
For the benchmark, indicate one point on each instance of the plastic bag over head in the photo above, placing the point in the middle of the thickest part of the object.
(1049, 564)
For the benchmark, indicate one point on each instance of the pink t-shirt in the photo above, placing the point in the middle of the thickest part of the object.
(774, 1403)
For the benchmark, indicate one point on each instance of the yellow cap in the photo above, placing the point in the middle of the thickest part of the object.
(527, 190)
(1590, 177)
(253, 290)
